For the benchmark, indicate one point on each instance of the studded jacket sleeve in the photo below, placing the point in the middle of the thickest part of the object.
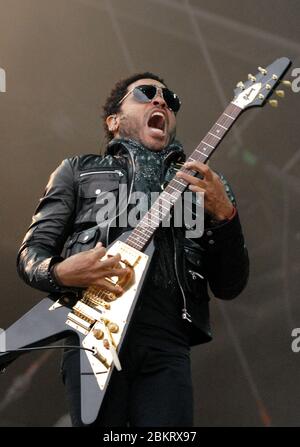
(47, 233)
(226, 255)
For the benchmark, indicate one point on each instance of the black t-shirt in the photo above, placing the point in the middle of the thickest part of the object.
(158, 317)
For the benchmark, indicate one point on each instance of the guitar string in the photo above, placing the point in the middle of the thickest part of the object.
(208, 139)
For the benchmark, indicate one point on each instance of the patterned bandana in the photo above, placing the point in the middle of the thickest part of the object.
(149, 166)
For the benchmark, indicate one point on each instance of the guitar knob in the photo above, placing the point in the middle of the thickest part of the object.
(262, 70)
(273, 103)
(113, 328)
(280, 93)
(106, 344)
(98, 334)
(251, 77)
(241, 85)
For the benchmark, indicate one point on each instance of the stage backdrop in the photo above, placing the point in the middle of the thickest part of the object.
(59, 59)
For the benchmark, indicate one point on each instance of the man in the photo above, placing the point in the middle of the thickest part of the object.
(154, 387)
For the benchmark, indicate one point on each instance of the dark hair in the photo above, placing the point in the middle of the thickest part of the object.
(111, 105)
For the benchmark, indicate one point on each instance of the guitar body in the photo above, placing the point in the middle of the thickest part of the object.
(99, 323)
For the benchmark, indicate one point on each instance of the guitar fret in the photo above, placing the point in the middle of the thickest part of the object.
(226, 128)
(171, 195)
(146, 229)
(137, 229)
(208, 144)
(178, 181)
(231, 117)
(132, 243)
(166, 200)
(160, 214)
(142, 236)
(170, 186)
(153, 216)
(214, 135)
(151, 222)
(197, 150)
(160, 204)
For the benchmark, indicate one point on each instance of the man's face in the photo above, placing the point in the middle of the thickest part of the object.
(153, 124)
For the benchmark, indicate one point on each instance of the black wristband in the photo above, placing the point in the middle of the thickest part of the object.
(53, 279)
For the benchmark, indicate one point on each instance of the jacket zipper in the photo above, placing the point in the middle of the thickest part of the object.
(195, 274)
(185, 314)
(102, 172)
(129, 196)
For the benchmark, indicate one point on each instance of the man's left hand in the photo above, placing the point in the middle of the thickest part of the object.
(216, 201)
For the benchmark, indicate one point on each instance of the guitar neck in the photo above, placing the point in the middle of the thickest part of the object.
(161, 208)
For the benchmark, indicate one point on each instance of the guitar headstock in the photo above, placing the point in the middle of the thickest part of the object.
(257, 89)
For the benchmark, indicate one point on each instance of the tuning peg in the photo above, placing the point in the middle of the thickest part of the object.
(251, 77)
(273, 103)
(286, 83)
(241, 85)
(262, 70)
(280, 93)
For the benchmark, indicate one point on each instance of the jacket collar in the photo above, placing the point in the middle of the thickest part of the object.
(119, 146)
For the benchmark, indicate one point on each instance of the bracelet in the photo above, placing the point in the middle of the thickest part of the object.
(228, 219)
(53, 279)
(234, 211)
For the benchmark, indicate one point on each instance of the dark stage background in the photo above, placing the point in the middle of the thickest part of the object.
(61, 59)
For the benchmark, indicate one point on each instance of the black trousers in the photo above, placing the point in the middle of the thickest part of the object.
(154, 389)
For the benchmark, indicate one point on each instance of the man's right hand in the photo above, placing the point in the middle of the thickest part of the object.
(86, 269)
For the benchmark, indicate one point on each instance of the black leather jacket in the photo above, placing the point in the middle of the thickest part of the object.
(64, 223)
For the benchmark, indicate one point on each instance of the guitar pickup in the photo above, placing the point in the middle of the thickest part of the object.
(78, 324)
(86, 312)
(82, 317)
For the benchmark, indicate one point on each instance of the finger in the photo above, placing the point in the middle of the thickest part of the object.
(191, 179)
(99, 250)
(106, 285)
(113, 272)
(110, 261)
(199, 167)
(195, 188)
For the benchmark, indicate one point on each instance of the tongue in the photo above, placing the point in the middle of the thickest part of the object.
(155, 131)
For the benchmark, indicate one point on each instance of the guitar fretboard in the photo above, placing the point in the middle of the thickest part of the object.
(161, 208)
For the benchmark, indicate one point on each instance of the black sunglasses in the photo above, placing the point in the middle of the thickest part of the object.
(145, 93)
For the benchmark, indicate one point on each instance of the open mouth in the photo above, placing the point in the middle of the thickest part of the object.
(157, 122)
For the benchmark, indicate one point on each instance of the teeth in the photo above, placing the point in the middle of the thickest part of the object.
(158, 114)
(161, 124)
